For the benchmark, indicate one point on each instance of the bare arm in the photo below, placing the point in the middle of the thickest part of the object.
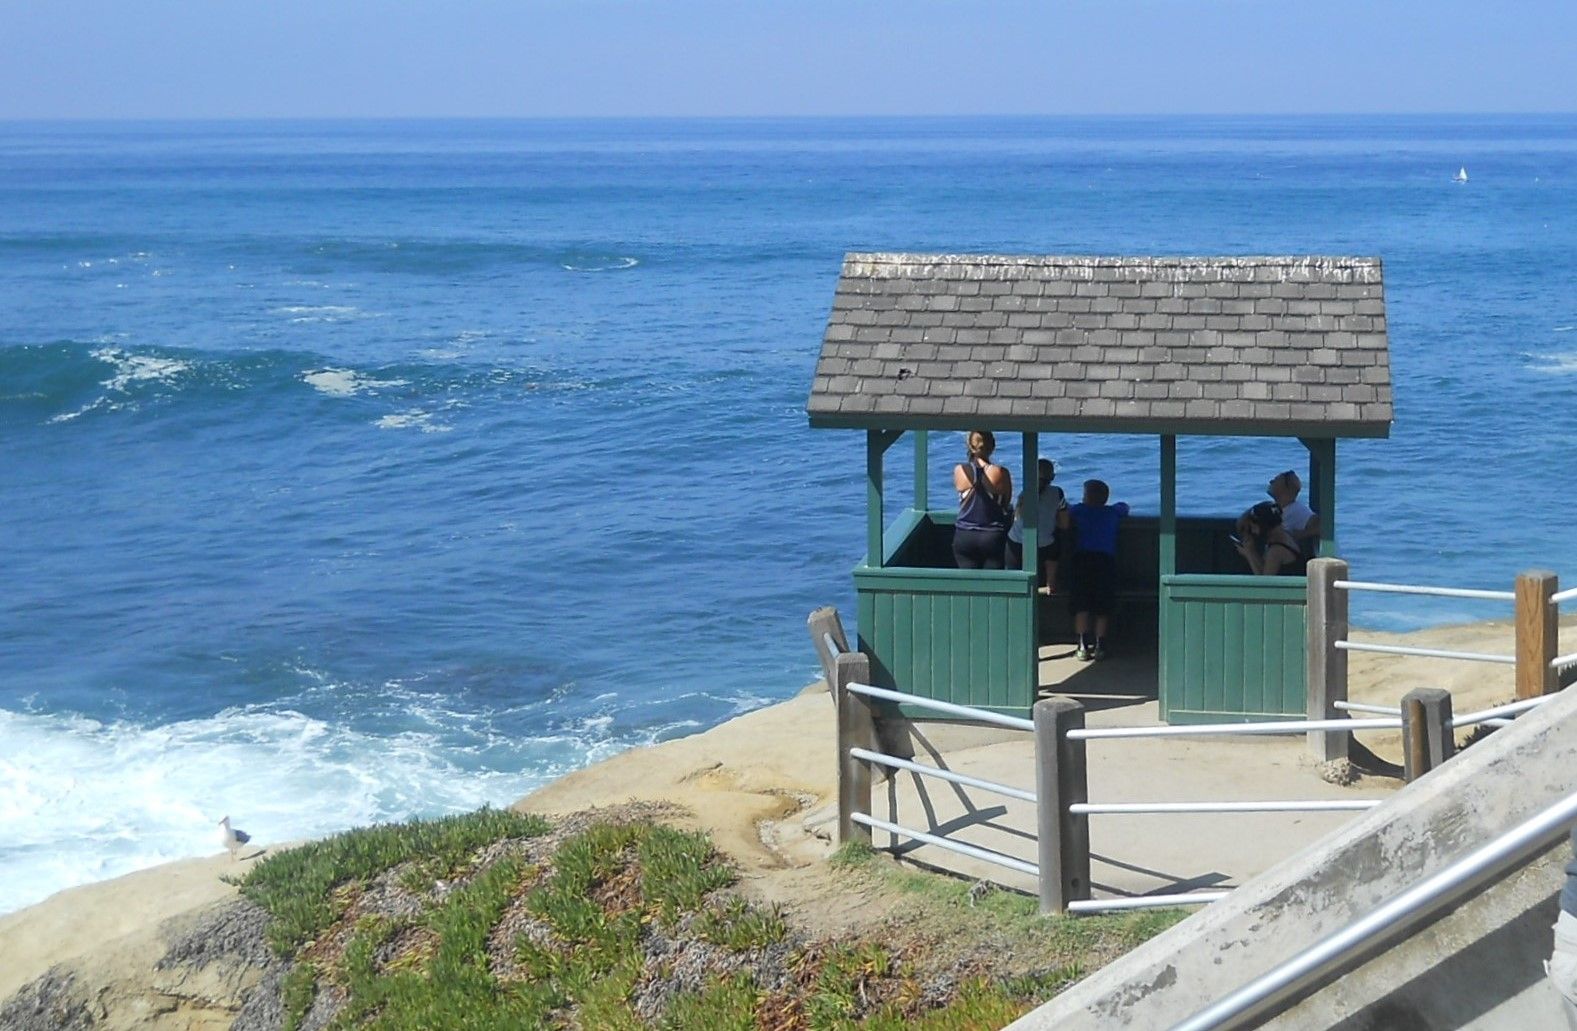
(1251, 556)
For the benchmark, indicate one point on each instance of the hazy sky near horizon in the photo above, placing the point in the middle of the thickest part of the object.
(549, 58)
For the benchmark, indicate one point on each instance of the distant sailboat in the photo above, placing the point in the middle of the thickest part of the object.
(1461, 176)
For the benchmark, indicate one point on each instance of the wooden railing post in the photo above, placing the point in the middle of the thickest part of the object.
(1061, 779)
(1537, 634)
(1427, 734)
(1326, 664)
(856, 729)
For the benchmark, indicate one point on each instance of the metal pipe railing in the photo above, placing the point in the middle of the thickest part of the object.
(962, 711)
(1562, 661)
(1302, 806)
(983, 854)
(1436, 592)
(1263, 996)
(1495, 712)
(1378, 710)
(941, 774)
(1428, 653)
(1191, 898)
(1207, 729)
(1566, 595)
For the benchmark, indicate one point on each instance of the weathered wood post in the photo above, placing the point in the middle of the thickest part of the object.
(822, 623)
(1062, 837)
(1427, 734)
(1537, 634)
(1326, 669)
(856, 729)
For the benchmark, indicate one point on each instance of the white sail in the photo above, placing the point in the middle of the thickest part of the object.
(1461, 176)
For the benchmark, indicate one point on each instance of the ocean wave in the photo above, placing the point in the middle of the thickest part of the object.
(128, 371)
(82, 800)
(607, 265)
(65, 382)
(304, 313)
(1560, 363)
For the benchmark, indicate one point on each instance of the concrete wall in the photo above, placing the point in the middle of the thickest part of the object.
(1477, 967)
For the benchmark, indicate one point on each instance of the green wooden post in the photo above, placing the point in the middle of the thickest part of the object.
(1168, 528)
(873, 498)
(876, 444)
(1031, 489)
(1325, 478)
(1312, 480)
(922, 471)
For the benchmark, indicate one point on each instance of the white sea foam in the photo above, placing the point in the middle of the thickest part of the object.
(321, 312)
(413, 420)
(1564, 329)
(615, 265)
(81, 801)
(128, 372)
(138, 368)
(1561, 363)
(346, 382)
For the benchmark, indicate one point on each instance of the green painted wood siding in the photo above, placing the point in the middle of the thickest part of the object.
(961, 636)
(1232, 648)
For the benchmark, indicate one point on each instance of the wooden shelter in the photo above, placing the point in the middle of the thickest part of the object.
(1244, 346)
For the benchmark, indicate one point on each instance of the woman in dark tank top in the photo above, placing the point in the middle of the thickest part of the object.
(985, 506)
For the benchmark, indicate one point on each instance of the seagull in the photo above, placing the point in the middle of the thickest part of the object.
(232, 838)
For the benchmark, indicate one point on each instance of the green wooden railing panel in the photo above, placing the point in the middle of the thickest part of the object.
(1232, 648)
(962, 636)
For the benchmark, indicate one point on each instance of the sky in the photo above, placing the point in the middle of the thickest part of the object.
(569, 58)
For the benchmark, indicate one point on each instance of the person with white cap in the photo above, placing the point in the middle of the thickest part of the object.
(1300, 521)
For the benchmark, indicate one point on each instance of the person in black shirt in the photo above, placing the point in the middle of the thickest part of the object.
(985, 506)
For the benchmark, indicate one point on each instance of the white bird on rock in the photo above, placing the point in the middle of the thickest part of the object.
(232, 838)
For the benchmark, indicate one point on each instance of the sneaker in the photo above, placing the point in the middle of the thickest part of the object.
(1084, 653)
(1100, 652)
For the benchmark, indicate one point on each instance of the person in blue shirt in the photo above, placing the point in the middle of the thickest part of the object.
(1094, 565)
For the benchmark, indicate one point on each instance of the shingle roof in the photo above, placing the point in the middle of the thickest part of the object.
(1261, 345)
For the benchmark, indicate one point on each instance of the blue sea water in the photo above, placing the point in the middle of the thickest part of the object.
(359, 470)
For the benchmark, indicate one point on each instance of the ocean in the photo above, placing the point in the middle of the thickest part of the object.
(359, 470)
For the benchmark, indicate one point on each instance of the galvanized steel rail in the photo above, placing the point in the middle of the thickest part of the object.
(1191, 898)
(1226, 729)
(974, 852)
(1378, 710)
(1301, 806)
(1436, 592)
(961, 711)
(1428, 653)
(941, 774)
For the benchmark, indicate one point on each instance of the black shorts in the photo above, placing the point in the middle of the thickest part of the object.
(1094, 582)
(979, 549)
(1015, 553)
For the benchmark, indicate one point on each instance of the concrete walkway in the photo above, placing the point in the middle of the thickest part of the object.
(1130, 855)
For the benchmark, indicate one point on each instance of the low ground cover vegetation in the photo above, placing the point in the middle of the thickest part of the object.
(617, 920)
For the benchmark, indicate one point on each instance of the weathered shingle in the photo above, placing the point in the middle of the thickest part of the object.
(1293, 345)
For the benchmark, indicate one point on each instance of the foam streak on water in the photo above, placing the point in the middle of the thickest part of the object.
(355, 471)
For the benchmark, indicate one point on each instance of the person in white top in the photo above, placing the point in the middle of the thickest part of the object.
(1298, 519)
(1051, 501)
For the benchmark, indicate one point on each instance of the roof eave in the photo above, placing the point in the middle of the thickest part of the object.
(1099, 425)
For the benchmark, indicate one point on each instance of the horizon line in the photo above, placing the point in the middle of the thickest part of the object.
(1069, 116)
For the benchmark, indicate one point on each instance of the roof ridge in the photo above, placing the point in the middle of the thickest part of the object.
(1107, 261)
